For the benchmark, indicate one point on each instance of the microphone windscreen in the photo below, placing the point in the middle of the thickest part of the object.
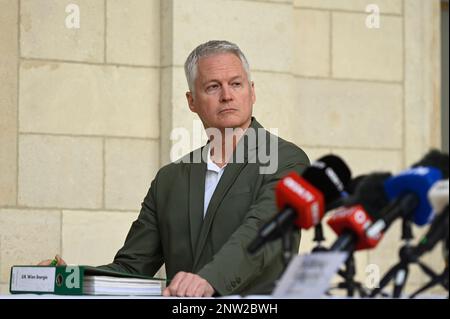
(436, 159)
(354, 183)
(339, 166)
(330, 175)
(370, 193)
(353, 219)
(438, 195)
(414, 183)
(307, 201)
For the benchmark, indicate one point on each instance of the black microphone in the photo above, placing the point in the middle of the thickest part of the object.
(368, 191)
(436, 159)
(331, 175)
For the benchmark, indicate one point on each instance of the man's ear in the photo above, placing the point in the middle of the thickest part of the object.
(190, 100)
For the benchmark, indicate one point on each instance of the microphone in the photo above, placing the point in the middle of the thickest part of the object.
(439, 228)
(302, 200)
(350, 224)
(436, 159)
(438, 231)
(296, 196)
(351, 221)
(368, 191)
(331, 175)
(307, 202)
(438, 195)
(408, 192)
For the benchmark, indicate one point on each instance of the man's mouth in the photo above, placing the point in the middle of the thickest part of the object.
(227, 110)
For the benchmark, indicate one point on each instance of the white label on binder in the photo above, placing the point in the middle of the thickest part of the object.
(33, 279)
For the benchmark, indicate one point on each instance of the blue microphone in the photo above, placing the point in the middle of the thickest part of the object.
(407, 192)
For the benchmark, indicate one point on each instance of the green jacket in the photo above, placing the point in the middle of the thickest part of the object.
(170, 228)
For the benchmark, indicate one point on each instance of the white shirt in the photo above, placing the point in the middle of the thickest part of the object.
(213, 175)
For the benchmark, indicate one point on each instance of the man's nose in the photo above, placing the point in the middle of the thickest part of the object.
(226, 94)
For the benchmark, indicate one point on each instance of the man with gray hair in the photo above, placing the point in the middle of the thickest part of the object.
(199, 216)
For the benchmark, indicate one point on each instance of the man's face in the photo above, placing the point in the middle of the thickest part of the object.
(223, 97)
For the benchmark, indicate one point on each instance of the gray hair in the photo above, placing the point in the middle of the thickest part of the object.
(211, 48)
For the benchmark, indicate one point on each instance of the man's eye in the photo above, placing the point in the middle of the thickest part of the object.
(211, 88)
(236, 84)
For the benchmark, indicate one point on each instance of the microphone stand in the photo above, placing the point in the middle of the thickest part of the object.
(349, 274)
(287, 240)
(403, 271)
(318, 238)
(399, 272)
(409, 254)
(441, 279)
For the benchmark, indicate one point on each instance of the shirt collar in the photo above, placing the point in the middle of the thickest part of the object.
(211, 166)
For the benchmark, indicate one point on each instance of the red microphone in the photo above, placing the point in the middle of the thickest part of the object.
(304, 198)
(350, 224)
(299, 203)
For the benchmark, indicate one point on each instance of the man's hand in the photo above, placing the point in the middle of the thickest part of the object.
(186, 284)
(47, 262)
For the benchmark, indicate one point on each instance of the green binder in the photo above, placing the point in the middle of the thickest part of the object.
(59, 280)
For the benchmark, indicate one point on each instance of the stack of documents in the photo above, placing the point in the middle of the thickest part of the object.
(106, 285)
